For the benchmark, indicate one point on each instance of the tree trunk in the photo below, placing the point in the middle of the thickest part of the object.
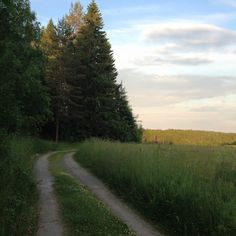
(57, 129)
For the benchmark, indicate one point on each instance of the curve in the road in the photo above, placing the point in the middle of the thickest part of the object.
(126, 214)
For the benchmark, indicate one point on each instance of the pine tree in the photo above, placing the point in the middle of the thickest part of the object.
(55, 41)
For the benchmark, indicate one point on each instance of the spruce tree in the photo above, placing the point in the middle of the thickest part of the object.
(103, 107)
(127, 128)
(95, 75)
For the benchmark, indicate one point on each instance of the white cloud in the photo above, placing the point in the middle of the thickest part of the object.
(152, 90)
(176, 48)
(190, 34)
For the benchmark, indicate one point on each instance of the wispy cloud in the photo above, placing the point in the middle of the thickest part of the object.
(167, 90)
(215, 18)
(131, 10)
(190, 34)
(231, 3)
(174, 59)
(174, 43)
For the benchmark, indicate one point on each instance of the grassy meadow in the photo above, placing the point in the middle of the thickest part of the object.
(187, 190)
(188, 137)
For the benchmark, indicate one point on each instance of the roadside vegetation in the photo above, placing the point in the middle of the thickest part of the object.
(18, 193)
(190, 190)
(82, 212)
(189, 137)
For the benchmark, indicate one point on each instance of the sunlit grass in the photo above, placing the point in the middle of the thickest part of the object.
(188, 137)
(190, 190)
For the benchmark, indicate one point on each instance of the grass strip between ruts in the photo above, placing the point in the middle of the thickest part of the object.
(81, 211)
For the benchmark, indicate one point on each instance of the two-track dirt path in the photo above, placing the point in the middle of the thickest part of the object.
(50, 223)
(119, 208)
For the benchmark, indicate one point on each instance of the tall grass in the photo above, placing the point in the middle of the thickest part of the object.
(18, 195)
(190, 190)
(189, 137)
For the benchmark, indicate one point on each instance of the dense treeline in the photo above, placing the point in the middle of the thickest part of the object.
(60, 81)
(24, 103)
(81, 77)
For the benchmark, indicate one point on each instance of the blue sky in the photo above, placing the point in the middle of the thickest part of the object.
(175, 58)
(118, 13)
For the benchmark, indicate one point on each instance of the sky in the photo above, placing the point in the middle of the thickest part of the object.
(176, 59)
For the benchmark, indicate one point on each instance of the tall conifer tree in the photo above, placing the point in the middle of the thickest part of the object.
(95, 75)
(96, 78)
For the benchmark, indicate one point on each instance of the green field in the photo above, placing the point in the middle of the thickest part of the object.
(188, 190)
(188, 137)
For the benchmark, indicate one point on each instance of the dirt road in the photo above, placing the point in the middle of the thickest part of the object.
(50, 223)
(127, 215)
